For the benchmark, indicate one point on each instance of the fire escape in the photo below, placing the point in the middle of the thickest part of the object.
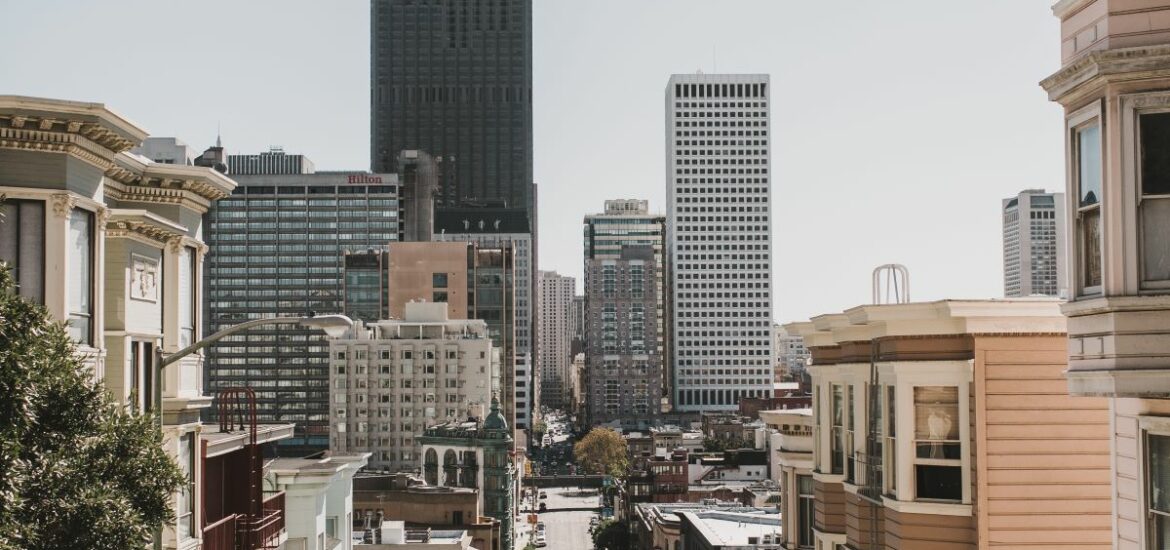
(248, 521)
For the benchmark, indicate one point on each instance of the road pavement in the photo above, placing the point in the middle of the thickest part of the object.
(566, 523)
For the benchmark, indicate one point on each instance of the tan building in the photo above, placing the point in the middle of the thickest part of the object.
(790, 455)
(401, 498)
(429, 272)
(1113, 86)
(947, 425)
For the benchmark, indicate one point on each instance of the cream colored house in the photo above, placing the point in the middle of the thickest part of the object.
(946, 425)
(1114, 86)
(790, 463)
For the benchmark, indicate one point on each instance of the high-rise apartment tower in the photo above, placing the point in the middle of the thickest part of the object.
(719, 195)
(1033, 244)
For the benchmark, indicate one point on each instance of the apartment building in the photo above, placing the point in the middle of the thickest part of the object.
(391, 379)
(947, 425)
(1112, 85)
(790, 452)
(553, 339)
(1033, 244)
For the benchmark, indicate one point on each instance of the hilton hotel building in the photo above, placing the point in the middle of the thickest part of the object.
(277, 246)
(719, 225)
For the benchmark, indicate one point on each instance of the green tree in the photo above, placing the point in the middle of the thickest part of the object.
(76, 470)
(715, 444)
(602, 451)
(540, 427)
(612, 535)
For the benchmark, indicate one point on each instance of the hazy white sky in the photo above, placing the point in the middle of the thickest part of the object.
(898, 125)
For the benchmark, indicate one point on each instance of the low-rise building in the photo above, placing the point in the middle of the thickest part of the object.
(402, 497)
(947, 425)
(729, 530)
(395, 535)
(318, 499)
(790, 455)
(659, 526)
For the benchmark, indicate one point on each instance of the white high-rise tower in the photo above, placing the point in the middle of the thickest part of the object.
(1033, 245)
(719, 227)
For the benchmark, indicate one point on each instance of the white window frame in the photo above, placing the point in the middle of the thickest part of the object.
(1075, 121)
(1132, 107)
(1148, 425)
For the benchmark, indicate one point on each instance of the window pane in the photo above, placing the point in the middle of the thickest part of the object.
(1155, 153)
(936, 422)
(938, 482)
(1156, 239)
(1089, 164)
(1159, 465)
(439, 280)
(81, 274)
(186, 296)
(22, 245)
(1090, 247)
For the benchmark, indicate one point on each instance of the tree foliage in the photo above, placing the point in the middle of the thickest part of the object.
(612, 535)
(715, 444)
(602, 451)
(76, 470)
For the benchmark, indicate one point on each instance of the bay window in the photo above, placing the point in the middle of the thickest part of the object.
(837, 431)
(187, 278)
(1158, 490)
(1088, 175)
(81, 256)
(890, 448)
(850, 431)
(1154, 198)
(806, 509)
(22, 246)
(937, 447)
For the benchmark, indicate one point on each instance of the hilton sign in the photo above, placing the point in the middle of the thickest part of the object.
(364, 178)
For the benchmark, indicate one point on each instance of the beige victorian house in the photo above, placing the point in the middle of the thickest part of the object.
(1114, 86)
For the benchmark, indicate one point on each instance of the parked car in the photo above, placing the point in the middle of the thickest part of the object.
(543, 507)
(543, 494)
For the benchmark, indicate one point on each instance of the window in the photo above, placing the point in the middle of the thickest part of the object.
(186, 296)
(439, 280)
(937, 449)
(439, 297)
(1154, 205)
(850, 458)
(1087, 141)
(890, 449)
(81, 276)
(185, 512)
(805, 510)
(22, 245)
(1158, 490)
(837, 433)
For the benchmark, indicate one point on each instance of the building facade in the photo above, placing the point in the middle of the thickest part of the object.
(391, 379)
(622, 358)
(274, 162)
(947, 425)
(1113, 87)
(791, 355)
(553, 351)
(790, 452)
(455, 79)
(1034, 244)
(719, 228)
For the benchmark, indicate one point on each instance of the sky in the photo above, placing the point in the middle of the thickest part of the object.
(898, 126)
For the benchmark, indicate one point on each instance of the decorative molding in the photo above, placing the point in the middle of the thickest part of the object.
(1099, 67)
(103, 218)
(144, 278)
(63, 204)
(175, 244)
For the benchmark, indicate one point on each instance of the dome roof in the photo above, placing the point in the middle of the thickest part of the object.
(495, 420)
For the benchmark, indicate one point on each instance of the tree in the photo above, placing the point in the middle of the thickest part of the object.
(715, 444)
(602, 451)
(612, 535)
(540, 427)
(76, 470)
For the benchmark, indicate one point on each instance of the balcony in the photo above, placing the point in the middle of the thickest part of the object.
(244, 532)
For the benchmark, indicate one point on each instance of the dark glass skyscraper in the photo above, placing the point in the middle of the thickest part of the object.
(454, 78)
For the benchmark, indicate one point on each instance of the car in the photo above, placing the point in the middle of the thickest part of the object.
(540, 542)
(543, 494)
(543, 507)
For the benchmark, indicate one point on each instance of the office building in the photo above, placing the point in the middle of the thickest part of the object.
(623, 362)
(391, 379)
(1112, 85)
(278, 247)
(455, 79)
(791, 355)
(947, 425)
(274, 162)
(553, 354)
(475, 453)
(719, 233)
(165, 150)
(504, 228)
(365, 285)
(1033, 245)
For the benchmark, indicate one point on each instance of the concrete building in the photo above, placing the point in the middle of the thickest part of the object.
(790, 451)
(274, 162)
(391, 379)
(395, 535)
(660, 525)
(1034, 244)
(318, 499)
(553, 339)
(622, 354)
(722, 530)
(947, 425)
(408, 499)
(277, 248)
(791, 355)
(719, 225)
(476, 454)
(112, 243)
(165, 150)
(1112, 84)
(424, 95)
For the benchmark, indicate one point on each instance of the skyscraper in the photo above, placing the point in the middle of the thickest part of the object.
(553, 338)
(719, 225)
(1033, 244)
(454, 78)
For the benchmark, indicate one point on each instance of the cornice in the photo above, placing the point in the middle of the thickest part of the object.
(137, 179)
(1100, 67)
(95, 121)
(141, 223)
(21, 134)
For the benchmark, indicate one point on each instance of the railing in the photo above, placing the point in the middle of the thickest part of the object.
(220, 535)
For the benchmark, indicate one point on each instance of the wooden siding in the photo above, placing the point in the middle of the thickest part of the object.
(906, 531)
(859, 522)
(830, 507)
(1042, 458)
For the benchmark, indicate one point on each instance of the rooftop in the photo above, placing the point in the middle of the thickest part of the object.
(730, 528)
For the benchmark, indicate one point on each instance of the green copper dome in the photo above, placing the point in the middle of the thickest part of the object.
(495, 420)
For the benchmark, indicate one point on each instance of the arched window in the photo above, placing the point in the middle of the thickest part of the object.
(450, 469)
(431, 467)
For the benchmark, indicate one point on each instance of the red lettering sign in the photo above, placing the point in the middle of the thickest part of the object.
(364, 178)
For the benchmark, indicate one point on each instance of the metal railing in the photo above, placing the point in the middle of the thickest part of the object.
(220, 535)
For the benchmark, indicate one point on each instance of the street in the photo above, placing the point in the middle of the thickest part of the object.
(567, 519)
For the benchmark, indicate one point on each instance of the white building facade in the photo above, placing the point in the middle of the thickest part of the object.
(391, 379)
(1033, 245)
(554, 336)
(718, 228)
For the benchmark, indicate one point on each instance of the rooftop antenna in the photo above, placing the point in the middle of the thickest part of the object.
(897, 284)
(218, 134)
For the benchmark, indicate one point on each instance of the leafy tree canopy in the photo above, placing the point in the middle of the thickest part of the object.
(612, 535)
(602, 451)
(76, 470)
